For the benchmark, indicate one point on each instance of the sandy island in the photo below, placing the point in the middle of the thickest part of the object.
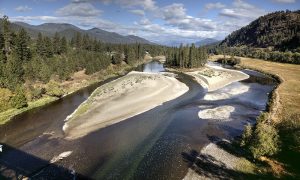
(215, 77)
(120, 99)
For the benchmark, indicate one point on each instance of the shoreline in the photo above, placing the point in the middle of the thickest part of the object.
(8, 115)
(274, 106)
(216, 154)
(153, 89)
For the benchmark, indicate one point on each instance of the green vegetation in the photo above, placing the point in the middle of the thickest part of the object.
(41, 66)
(284, 114)
(19, 100)
(278, 30)
(273, 37)
(232, 61)
(259, 53)
(262, 139)
(53, 89)
(186, 56)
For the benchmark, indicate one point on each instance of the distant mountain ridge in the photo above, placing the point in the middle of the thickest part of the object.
(69, 31)
(206, 41)
(280, 30)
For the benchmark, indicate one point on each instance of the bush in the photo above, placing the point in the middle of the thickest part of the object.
(5, 95)
(19, 100)
(247, 135)
(54, 89)
(35, 93)
(232, 61)
(264, 141)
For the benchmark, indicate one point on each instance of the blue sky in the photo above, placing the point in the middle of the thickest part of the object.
(160, 21)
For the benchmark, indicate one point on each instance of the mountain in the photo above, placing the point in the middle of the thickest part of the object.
(280, 30)
(206, 41)
(69, 31)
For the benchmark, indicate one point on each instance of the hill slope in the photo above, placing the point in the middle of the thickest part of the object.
(206, 41)
(280, 30)
(69, 31)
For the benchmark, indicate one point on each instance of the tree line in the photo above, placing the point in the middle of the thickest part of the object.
(48, 60)
(188, 56)
(259, 53)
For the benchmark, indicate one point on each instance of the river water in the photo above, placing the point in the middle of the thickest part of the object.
(147, 146)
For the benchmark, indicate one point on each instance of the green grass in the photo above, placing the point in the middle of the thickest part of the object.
(8, 114)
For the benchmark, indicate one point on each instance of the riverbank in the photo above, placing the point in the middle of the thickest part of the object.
(79, 80)
(121, 99)
(283, 110)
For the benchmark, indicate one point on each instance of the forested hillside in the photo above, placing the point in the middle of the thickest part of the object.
(273, 37)
(69, 31)
(279, 30)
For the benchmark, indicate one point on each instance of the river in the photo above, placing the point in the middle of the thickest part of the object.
(147, 146)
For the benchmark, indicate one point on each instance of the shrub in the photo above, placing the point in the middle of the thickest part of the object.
(265, 140)
(5, 95)
(247, 135)
(54, 89)
(35, 93)
(19, 100)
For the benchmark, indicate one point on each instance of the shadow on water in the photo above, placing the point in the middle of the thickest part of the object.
(209, 167)
(17, 164)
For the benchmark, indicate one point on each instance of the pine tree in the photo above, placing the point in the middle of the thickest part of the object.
(22, 46)
(130, 56)
(39, 45)
(56, 44)
(63, 45)
(48, 47)
(78, 40)
(13, 72)
(6, 35)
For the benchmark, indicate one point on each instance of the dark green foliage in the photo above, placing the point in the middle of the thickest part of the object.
(117, 58)
(247, 135)
(19, 100)
(279, 30)
(41, 60)
(232, 61)
(13, 72)
(259, 53)
(265, 140)
(186, 56)
(22, 46)
(130, 56)
(262, 139)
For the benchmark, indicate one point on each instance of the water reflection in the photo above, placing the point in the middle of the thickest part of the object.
(154, 67)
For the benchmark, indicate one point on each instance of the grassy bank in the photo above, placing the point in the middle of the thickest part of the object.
(283, 107)
(79, 81)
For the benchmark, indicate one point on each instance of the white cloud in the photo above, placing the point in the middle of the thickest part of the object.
(146, 4)
(285, 1)
(138, 12)
(241, 9)
(175, 15)
(82, 9)
(23, 8)
(217, 5)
